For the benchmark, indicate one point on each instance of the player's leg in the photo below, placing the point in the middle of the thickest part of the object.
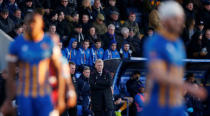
(24, 106)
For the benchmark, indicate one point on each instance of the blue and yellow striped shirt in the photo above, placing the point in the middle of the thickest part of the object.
(33, 59)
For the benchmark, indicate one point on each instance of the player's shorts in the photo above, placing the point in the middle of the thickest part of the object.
(155, 110)
(29, 106)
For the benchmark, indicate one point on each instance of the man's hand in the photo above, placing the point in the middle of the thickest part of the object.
(118, 101)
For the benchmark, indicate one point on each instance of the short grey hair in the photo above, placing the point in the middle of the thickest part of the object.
(124, 30)
(86, 68)
(99, 61)
(170, 9)
(111, 26)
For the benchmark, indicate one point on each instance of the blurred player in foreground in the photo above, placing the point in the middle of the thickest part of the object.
(32, 52)
(165, 53)
(70, 93)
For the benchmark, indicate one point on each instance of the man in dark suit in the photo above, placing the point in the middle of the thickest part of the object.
(101, 93)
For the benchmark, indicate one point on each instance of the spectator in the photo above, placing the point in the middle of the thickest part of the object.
(132, 24)
(12, 6)
(67, 10)
(207, 42)
(114, 19)
(84, 91)
(2, 4)
(135, 43)
(71, 52)
(154, 20)
(125, 37)
(139, 100)
(197, 47)
(52, 29)
(46, 4)
(62, 28)
(16, 17)
(53, 19)
(96, 51)
(101, 93)
(188, 31)
(109, 36)
(27, 7)
(112, 52)
(72, 22)
(200, 26)
(133, 83)
(78, 34)
(150, 32)
(125, 34)
(111, 7)
(189, 10)
(92, 36)
(97, 9)
(205, 13)
(6, 24)
(85, 23)
(16, 31)
(99, 25)
(73, 111)
(86, 9)
(125, 52)
(73, 3)
(84, 56)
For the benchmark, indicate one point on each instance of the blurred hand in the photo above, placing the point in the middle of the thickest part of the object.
(54, 113)
(118, 101)
(61, 106)
(130, 99)
(47, 11)
(196, 91)
(203, 53)
(72, 99)
(7, 108)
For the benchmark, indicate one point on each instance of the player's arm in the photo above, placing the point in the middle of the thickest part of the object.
(71, 93)
(159, 72)
(61, 82)
(72, 96)
(10, 84)
(195, 90)
(173, 77)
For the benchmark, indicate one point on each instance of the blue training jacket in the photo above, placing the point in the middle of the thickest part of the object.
(96, 54)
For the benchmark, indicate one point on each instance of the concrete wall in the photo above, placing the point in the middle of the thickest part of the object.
(4, 44)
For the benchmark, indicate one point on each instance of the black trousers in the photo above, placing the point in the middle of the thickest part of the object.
(103, 113)
(70, 112)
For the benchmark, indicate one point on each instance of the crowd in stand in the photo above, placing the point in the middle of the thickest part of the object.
(90, 29)
(106, 29)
